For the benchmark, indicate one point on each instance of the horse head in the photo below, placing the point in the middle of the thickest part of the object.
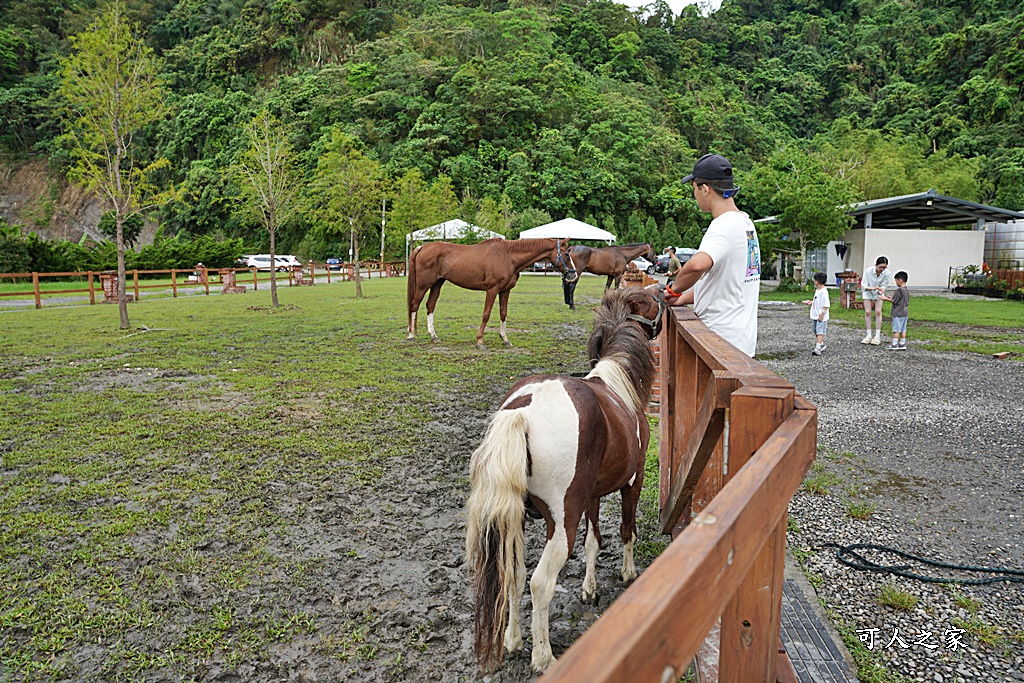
(648, 310)
(651, 256)
(563, 261)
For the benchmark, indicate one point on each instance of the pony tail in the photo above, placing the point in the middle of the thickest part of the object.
(494, 529)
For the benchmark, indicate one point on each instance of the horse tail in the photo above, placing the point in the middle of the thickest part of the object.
(494, 529)
(410, 288)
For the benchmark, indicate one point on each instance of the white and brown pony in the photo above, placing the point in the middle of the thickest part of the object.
(610, 261)
(492, 266)
(554, 447)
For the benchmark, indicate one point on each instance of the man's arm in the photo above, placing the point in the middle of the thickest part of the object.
(691, 271)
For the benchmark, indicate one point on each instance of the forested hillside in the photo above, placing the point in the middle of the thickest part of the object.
(507, 113)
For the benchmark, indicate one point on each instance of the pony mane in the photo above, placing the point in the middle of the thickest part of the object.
(619, 350)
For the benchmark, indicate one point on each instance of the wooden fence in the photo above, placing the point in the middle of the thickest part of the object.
(194, 277)
(736, 442)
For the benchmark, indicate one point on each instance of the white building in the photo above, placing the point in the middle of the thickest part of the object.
(910, 231)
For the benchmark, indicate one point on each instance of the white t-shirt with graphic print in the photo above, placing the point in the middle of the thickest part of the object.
(725, 298)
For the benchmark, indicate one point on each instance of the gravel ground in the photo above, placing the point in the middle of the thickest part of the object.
(936, 442)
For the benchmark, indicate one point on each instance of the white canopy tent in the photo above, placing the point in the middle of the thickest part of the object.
(454, 229)
(571, 228)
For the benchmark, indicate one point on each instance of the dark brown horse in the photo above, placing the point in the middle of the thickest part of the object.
(558, 444)
(492, 266)
(610, 261)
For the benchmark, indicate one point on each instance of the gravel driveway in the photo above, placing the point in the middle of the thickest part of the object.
(936, 442)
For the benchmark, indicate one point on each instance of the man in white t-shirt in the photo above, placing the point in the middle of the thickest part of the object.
(725, 273)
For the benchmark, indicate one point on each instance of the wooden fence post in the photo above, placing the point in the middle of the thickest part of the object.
(35, 289)
(174, 283)
(92, 290)
(254, 287)
(135, 278)
(206, 280)
(751, 619)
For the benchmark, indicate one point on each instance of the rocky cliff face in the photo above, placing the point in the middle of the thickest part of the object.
(40, 202)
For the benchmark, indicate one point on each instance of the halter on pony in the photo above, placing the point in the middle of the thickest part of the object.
(653, 326)
(560, 261)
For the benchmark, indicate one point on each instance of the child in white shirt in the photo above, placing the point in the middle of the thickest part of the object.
(819, 312)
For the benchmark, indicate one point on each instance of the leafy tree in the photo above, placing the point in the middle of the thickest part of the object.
(345, 193)
(131, 227)
(268, 181)
(809, 202)
(111, 92)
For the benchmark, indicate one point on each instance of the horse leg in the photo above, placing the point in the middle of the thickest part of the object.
(435, 291)
(630, 499)
(414, 308)
(592, 547)
(542, 588)
(503, 312)
(608, 284)
(513, 632)
(488, 305)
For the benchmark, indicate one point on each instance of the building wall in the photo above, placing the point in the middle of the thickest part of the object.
(926, 255)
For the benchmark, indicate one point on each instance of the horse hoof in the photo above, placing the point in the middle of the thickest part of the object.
(481, 347)
(508, 344)
(436, 340)
(539, 663)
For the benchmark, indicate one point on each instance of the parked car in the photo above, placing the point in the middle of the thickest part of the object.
(645, 266)
(288, 260)
(262, 262)
(334, 264)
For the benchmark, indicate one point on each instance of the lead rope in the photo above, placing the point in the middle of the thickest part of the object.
(861, 563)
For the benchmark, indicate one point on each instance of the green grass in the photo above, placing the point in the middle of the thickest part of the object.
(891, 596)
(819, 481)
(860, 509)
(136, 465)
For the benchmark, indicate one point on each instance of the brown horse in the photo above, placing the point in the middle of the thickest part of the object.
(555, 446)
(492, 266)
(610, 261)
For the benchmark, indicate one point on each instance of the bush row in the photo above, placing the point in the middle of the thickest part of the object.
(19, 254)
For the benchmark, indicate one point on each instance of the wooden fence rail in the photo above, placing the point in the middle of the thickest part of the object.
(736, 441)
(195, 277)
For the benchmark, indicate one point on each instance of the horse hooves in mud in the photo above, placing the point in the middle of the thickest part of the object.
(435, 339)
(481, 347)
(508, 344)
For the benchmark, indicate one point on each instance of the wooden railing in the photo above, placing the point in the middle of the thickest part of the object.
(191, 277)
(736, 441)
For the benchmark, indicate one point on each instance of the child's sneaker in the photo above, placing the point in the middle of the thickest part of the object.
(903, 346)
(866, 339)
(892, 347)
(816, 351)
(876, 340)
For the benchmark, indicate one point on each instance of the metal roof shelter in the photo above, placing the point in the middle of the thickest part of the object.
(922, 210)
(926, 210)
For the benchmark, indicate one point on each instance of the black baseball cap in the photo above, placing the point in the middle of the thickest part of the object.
(712, 167)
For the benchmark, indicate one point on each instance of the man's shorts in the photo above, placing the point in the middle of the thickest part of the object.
(899, 324)
(819, 327)
(869, 295)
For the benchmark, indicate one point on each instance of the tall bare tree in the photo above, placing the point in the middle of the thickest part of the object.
(346, 193)
(269, 182)
(110, 92)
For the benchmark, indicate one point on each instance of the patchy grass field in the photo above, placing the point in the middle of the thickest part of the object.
(255, 493)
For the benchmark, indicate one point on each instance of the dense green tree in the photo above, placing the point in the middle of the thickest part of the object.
(345, 194)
